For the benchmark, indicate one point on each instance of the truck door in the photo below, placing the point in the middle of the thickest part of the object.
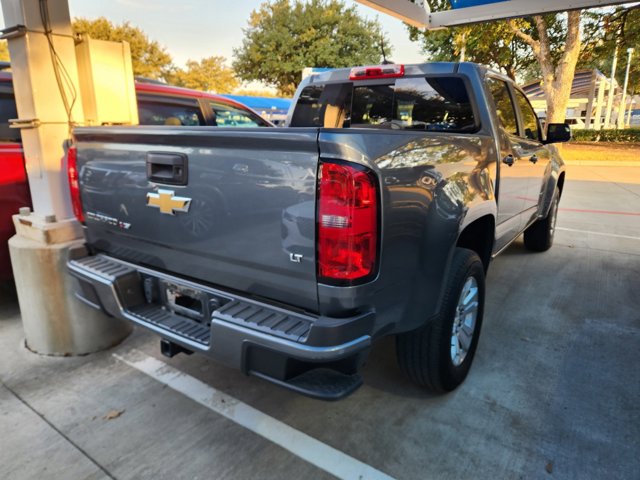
(532, 154)
(513, 171)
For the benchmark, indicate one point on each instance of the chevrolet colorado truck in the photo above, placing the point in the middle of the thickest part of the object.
(285, 252)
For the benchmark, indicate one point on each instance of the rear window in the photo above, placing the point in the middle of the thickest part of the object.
(425, 103)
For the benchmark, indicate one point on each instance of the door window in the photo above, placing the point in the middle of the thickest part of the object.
(230, 116)
(528, 116)
(504, 105)
(163, 112)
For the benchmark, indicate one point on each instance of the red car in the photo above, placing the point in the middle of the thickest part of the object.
(158, 104)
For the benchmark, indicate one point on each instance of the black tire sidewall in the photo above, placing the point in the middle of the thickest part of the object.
(468, 264)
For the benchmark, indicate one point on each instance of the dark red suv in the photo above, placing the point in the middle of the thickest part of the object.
(158, 104)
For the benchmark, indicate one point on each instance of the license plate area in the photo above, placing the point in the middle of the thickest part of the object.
(185, 301)
(182, 300)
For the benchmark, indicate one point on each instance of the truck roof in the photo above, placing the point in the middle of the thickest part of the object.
(431, 68)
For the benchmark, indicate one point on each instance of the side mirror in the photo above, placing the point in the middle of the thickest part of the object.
(558, 132)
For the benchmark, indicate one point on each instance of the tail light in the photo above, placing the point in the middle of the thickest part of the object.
(74, 183)
(347, 223)
(377, 71)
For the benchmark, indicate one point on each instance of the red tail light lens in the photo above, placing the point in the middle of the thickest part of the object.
(376, 71)
(347, 223)
(74, 183)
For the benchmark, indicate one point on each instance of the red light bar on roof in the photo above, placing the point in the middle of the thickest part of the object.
(376, 71)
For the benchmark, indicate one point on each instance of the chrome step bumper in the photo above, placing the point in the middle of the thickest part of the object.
(286, 347)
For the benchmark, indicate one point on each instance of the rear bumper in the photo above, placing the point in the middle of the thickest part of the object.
(314, 355)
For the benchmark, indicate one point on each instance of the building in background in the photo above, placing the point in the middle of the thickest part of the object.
(588, 102)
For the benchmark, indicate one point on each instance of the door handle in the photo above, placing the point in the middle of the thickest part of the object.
(167, 168)
(534, 158)
(508, 160)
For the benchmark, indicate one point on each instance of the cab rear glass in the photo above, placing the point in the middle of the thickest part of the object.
(438, 103)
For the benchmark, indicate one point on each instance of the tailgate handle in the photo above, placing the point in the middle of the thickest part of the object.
(168, 168)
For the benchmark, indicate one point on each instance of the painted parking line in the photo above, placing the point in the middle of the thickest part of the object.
(298, 443)
(603, 234)
(601, 212)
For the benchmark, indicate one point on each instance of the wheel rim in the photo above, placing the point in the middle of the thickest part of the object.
(464, 323)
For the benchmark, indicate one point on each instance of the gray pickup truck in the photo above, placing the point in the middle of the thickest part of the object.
(285, 252)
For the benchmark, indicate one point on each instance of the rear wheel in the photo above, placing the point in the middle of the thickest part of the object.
(539, 236)
(438, 355)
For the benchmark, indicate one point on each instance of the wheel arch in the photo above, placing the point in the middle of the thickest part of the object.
(479, 236)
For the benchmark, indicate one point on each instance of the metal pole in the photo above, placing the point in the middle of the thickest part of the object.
(623, 102)
(628, 123)
(612, 79)
(597, 123)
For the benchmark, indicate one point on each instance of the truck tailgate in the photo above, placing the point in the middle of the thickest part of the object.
(231, 207)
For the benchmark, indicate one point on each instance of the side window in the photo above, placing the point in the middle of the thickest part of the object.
(528, 116)
(504, 106)
(164, 112)
(323, 106)
(308, 110)
(230, 116)
(7, 112)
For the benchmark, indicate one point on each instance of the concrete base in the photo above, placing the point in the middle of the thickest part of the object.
(54, 321)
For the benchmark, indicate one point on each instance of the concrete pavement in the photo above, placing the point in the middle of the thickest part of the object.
(553, 392)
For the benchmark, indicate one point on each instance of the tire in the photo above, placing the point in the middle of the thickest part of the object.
(538, 237)
(426, 355)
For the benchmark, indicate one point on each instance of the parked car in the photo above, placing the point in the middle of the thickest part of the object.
(376, 213)
(158, 104)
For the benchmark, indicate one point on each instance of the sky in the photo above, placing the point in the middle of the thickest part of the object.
(193, 29)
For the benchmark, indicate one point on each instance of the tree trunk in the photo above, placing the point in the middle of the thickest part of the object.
(556, 80)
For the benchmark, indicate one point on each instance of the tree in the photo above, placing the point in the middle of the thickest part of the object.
(493, 44)
(285, 36)
(544, 46)
(149, 58)
(209, 74)
(557, 55)
(618, 27)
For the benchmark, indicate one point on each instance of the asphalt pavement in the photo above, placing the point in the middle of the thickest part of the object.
(553, 392)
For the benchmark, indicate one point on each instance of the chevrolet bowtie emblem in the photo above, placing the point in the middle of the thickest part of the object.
(167, 202)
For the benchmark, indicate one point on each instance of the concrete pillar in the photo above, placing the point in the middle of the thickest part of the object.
(597, 124)
(628, 121)
(612, 82)
(54, 321)
(592, 94)
(45, 79)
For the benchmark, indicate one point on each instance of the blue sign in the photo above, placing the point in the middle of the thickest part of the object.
(455, 4)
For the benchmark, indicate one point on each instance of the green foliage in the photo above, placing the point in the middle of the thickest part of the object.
(285, 36)
(619, 26)
(629, 135)
(495, 43)
(492, 43)
(209, 74)
(149, 58)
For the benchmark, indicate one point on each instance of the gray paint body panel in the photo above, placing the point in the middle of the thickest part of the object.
(241, 184)
(432, 186)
